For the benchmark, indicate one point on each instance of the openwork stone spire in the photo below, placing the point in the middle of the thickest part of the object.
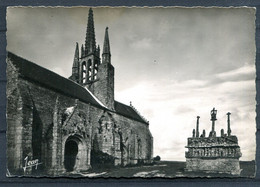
(90, 42)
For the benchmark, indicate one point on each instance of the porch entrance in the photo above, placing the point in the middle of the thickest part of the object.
(71, 151)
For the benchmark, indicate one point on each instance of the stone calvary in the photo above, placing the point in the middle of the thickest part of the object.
(213, 154)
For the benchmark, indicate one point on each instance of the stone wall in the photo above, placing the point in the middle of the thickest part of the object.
(41, 120)
(14, 118)
(213, 154)
(104, 87)
(218, 165)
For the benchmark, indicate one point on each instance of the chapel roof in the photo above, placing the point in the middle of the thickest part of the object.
(36, 73)
(128, 111)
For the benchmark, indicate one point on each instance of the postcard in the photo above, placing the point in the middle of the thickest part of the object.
(131, 92)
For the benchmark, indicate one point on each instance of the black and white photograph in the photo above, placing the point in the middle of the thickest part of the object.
(133, 92)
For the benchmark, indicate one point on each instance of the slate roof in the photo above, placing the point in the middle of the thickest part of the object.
(50, 79)
(128, 111)
(36, 73)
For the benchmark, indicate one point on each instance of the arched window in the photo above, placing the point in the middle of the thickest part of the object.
(95, 74)
(139, 149)
(84, 69)
(89, 74)
(95, 70)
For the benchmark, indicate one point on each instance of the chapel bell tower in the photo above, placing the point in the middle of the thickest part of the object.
(87, 69)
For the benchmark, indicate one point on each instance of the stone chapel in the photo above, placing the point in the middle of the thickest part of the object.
(57, 125)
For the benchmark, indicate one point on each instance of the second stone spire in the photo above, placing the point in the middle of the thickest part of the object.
(106, 55)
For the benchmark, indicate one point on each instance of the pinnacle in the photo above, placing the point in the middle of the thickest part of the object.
(106, 47)
(82, 51)
(76, 56)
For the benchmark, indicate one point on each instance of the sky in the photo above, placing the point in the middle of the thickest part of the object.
(173, 63)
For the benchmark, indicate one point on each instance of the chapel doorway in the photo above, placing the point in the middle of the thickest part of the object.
(71, 151)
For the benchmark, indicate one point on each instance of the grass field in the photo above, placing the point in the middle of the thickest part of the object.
(164, 169)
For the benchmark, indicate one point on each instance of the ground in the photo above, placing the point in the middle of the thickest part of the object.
(167, 169)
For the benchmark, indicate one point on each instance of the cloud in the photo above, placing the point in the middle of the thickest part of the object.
(172, 63)
(248, 70)
(183, 109)
(144, 43)
(244, 73)
(175, 107)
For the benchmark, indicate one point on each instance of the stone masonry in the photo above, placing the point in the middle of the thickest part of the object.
(213, 154)
(71, 124)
